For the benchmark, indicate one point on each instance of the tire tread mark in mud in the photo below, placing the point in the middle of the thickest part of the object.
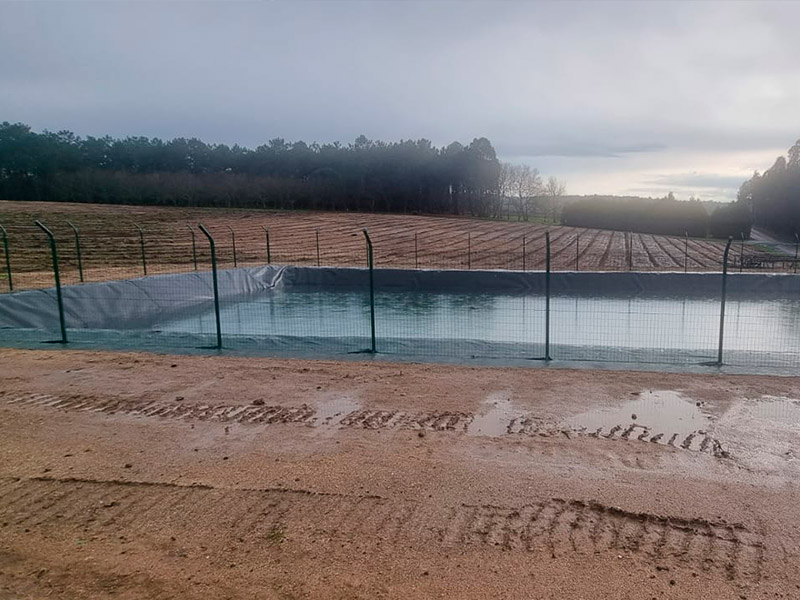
(556, 526)
(364, 419)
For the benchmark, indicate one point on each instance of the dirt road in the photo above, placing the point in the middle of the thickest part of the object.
(141, 476)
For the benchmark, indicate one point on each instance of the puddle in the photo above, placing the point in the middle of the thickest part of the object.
(658, 411)
(333, 409)
(776, 408)
(497, 419)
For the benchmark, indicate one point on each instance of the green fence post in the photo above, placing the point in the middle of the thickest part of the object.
(630, 251)
(141, 243)
(194, 246)
(269, 251)
(723, 299)
(59, 298)
(741, 254)
(371, 289)
(317, 234)
(8, 258)
(547, 297)
(686, 251)
(78, 250)
(216, 282)
(233, 240)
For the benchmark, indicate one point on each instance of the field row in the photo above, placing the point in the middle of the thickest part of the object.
(111, 245)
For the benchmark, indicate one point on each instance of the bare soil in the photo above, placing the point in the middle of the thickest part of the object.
(146, 476)
(111, 246)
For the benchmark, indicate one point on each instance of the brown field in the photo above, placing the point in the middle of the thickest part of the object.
(111, 245)
(138, 476)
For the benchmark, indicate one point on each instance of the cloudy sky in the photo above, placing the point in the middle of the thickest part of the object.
(619, 98)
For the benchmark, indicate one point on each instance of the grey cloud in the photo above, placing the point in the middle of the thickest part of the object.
(572, 82)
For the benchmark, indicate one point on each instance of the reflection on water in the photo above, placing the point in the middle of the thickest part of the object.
(659, 324)
(496, 419)
(659, 410)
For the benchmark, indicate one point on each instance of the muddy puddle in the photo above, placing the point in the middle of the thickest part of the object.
(659, 415)
(331, 410)
(496, 417)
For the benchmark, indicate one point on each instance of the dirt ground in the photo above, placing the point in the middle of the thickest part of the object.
(110, 243)
(148, 476)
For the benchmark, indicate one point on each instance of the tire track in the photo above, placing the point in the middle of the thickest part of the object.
(557, 527)
(371, 419)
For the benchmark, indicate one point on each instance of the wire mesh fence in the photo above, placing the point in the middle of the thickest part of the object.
(153, 287)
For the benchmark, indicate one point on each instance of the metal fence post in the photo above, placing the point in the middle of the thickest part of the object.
(547, 297)
(269, 251)
(416, 252)
(216, 282)
(741, 254)
(233, 240)
(371, 290)
(523, 253)
(141, 243)
(577, 250)
(77, 250)
(630, 251)
(686, 251)
(59, 298)
(796, 247)
(194, 246)
(317, 234)
(8, 258)
(469, 250)
(723, 299)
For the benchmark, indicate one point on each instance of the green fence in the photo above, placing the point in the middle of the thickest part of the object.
(460, 315)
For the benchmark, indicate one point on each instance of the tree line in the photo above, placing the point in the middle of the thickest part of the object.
(774, 197)
(406, 176)
(666, 216)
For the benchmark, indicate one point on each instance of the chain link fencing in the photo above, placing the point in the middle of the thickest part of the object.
(532, 294)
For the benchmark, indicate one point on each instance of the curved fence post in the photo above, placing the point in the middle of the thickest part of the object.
(741, 253)
(723, 299)
(686, 251)
(141, 243)
(233, 240)
(78, 250)
(59, 298)
(269, 251)
(194, 246)
(8, 258)
(547, 297)
(630, 251)
(202, 228)
(371, 290)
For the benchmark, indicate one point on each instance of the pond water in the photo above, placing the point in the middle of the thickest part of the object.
(639, 329)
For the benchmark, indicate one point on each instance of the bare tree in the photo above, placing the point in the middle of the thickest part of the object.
(505, 186)
(553, 191)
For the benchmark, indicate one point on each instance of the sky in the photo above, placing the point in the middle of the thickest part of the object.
(613, 98)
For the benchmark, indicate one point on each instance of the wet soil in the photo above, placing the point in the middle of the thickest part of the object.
(143, 476)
